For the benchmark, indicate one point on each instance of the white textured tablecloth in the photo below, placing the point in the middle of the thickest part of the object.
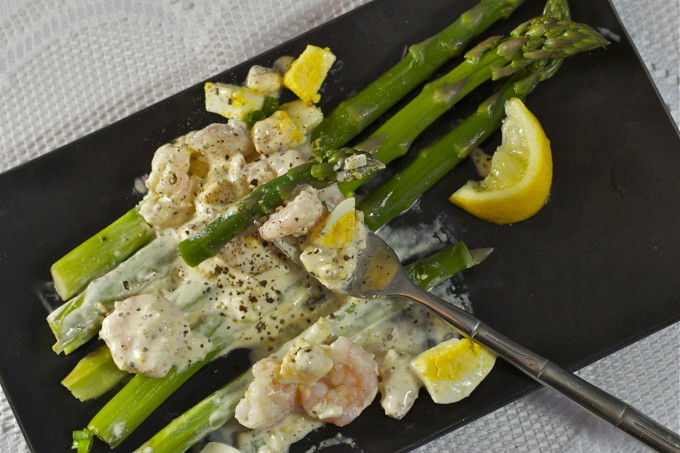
(68, 68)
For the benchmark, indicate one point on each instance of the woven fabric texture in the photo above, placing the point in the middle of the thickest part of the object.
(69, 68)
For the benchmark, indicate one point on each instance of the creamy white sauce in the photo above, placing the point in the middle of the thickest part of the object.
(278, 439)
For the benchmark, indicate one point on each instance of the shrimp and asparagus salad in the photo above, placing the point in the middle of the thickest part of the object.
(249, 228)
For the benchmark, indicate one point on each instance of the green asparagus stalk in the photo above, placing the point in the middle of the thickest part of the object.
(137, 400)
(557, 9)
(94, 375)
(218, 408)
(78, 320)
(334, 166)
(100, 253)
(538, 39)
(436, 268)
(353, 115)
(433, 162)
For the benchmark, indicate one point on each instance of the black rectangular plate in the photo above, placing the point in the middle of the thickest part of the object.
(594, 271)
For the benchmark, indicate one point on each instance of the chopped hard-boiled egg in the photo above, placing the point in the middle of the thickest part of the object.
(334, 244)
(307, 73)
(338, 230)
(451, 370)
(305, 116)
(232, 101)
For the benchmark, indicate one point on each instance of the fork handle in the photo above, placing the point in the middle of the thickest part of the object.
(591, 398)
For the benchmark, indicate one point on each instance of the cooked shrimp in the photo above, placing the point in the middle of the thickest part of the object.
(296, 218)
(347, 389)
(220, 141)
(171, 188)
(259, 172)
(224, 184)
(148, 334)
(170, 172)
(267, 401)
(264, 80)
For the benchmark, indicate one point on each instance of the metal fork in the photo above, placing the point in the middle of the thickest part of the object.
(379, 274)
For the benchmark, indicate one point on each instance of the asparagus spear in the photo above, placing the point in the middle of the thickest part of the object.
(100, 253)
(82, 441)
(353, 115)
(218, 408)
(94, 375)
(333, 166)
(433, 162)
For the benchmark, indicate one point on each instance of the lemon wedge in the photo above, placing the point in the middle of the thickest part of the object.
(519, 181)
